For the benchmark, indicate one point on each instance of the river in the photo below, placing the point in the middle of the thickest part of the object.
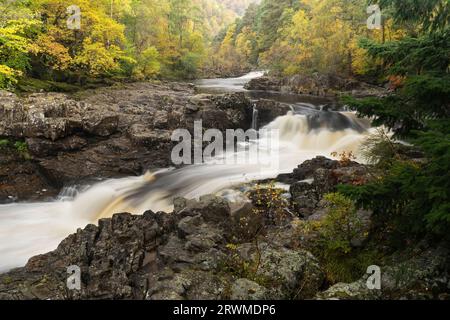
(28, 229)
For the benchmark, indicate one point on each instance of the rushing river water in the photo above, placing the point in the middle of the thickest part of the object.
(28, 229)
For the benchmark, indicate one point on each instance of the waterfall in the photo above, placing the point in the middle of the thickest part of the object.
(28, 229)
(255, 118)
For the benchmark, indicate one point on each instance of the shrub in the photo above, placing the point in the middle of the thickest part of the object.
(148, 65)
(22, 149)
(269, 203)
(8, 77)
(411, 199)
(379, 149)
(341, 224)
(331, 240)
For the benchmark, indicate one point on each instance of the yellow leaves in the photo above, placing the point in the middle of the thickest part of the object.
(231, 246)
(55, 54)
(307, 228)
(8, 72)
(108, 31)
(228, 40)
(95, 22)
(14, 34)
(345, 158)
(96, 59)
(321, 37)
(8, 76)
(148, 65)
(244, 45)
(300, 26)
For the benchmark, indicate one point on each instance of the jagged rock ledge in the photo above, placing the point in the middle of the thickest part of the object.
(103, 133)
(207, 249)
(322, 85)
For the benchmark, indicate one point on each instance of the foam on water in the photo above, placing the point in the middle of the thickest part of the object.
(28, 229)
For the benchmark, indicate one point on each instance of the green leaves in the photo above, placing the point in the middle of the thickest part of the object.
(412, 199)
(431, 15)
(15, 40)
(413, 55)
(422, 98)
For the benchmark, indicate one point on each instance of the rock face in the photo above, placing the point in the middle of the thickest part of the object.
(206, 249)
(105, 133)
(21, 178)
(415, 276)
(314, 178)
(183, 255)
(322, 85)
(268, 110)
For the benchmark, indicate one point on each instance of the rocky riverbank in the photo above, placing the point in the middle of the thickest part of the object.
(321, 85)
(213, 248)
(51, 140)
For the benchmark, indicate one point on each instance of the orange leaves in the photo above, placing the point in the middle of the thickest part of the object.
(54, 54)
(396, 82)
(345, 158)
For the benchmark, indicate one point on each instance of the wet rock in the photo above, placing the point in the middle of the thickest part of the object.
(269, 110)
(238, 111)
(102, 125)
(111, 132)
(314, 178)
(304, 198)
(43, 147)
(323, 85)
(307, 169)
(21, 179)
(263, 84)
(143, 136)
(161, 256)
(189, 225)
(212, 209)
(325, 181)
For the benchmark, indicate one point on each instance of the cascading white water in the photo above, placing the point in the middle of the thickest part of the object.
(255, 118)
(28, 229)
(228, 84)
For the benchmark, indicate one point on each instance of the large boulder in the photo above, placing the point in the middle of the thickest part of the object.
(245, 289)
(311, 180)
(263, 84)
(269, 110)
(291, 274)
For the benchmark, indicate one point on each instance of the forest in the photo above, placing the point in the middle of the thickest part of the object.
(142, 39)
(92, 90)
(410, 52)
(200, 38)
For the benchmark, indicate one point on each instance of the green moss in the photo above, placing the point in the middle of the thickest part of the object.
(4, 143)
(18, 147)
(7, 280)
(237, 267)
(22, 149)
(351, 267)
(28, 85)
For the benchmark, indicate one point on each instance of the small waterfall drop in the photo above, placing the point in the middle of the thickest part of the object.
(28, 229)
(255, 118)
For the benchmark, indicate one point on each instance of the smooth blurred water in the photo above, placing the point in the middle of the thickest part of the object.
(28, 229)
